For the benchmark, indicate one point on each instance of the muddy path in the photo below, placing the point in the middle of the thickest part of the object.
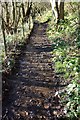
(34, 82)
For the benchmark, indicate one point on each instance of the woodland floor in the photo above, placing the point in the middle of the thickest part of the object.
(34, 82)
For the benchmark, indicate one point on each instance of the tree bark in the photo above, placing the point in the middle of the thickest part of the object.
(79, 14)
(23, 10)
(3, 31)
(61, 10)
(58, 9)
(58, 13)
(7, 14)
(14, 16)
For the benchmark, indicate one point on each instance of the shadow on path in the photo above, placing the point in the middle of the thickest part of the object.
(34, 83)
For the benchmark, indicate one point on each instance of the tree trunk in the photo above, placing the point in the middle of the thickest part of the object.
(29, 9)
(58, 9)
(7, 14)
(58, 13)
(3, 31)
(14, 16)
(79, 14)
(55, 9)
(23, 10)
(62, 11)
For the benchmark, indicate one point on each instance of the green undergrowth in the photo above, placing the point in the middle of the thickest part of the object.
(45, 16)
(15, 42)
(66, 46)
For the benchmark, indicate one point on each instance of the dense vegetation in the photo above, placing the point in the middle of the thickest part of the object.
(17, 23)
(15, 30)
(66, 51)
(65, 39)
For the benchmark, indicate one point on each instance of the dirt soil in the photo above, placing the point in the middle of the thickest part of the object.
(33, 84)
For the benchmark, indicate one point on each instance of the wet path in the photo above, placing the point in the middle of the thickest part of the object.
(34, 83)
